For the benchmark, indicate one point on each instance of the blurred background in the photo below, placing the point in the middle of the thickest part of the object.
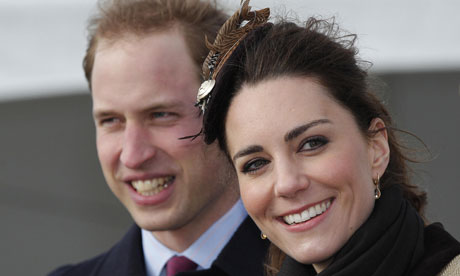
(55, 207)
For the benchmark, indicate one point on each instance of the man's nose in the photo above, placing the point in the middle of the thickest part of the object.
(291, 178)
(137, 147)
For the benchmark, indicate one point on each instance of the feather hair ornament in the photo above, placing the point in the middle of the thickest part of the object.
(232, 32)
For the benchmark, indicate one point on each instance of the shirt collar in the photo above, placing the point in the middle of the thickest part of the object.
(203, 251)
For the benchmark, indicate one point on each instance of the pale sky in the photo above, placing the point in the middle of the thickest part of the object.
(43, 42)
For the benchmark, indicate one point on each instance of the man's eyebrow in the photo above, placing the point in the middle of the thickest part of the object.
(247, 151)
(98, 113)
(165, 105)
(301, 129)
(102, 113)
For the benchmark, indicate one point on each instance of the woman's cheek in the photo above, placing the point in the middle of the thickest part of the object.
(255, 197)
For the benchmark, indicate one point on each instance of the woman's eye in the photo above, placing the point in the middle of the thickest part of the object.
(313, 143)
(254, 165)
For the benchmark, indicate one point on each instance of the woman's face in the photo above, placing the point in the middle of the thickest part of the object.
(305, 170)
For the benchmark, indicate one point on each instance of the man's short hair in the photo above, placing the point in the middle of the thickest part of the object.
(196, 20)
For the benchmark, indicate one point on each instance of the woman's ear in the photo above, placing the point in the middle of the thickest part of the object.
(379, 149)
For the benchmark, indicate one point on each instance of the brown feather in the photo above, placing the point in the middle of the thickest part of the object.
(231, 34)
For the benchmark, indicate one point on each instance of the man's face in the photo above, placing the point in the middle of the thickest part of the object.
(143, 92)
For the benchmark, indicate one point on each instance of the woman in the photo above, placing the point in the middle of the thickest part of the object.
(320, 169)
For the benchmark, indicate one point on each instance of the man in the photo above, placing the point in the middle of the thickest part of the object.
(142, 65)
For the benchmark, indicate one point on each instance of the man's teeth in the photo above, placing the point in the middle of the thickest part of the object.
(308, 214)
(151, 186)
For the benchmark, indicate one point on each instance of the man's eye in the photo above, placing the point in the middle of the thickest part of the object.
(254, 165)
(109, 121)
(162, 114)
(313, 143)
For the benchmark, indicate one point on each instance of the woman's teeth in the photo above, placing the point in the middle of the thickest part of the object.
(308, 214)
(152, 186)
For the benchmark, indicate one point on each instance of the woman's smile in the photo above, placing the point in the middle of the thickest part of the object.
(307, 213)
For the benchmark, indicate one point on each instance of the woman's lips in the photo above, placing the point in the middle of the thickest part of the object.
(308, 213)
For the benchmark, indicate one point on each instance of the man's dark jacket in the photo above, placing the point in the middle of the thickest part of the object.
(243, 255)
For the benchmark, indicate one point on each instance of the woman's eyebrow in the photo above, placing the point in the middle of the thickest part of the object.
(247, 151)
(301, 129)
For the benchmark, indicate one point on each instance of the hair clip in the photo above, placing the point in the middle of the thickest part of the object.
(207, 86)
(227, 40)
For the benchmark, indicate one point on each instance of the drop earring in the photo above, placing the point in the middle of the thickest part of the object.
(377, 192)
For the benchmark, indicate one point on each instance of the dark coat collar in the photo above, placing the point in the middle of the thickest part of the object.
(126, 257)
(243, 255)
(440, 249)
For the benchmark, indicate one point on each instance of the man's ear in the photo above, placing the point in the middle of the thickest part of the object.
(379, 149)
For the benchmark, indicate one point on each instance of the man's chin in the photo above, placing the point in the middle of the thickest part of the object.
(153, 225)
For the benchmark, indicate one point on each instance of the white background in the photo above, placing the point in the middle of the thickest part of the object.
(42, 43)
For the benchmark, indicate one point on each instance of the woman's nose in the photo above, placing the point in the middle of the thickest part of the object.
(291, 179)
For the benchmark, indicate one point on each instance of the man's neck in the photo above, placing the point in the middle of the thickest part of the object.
(182, 238)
